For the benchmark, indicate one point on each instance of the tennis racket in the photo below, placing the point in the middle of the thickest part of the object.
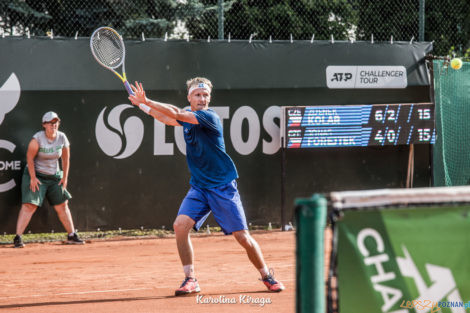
(108, 49)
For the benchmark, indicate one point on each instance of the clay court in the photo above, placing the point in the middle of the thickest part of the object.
(140, 275)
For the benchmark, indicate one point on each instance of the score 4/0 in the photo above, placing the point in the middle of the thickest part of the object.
(387, 135)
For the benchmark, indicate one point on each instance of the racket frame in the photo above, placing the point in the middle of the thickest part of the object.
(122, 77)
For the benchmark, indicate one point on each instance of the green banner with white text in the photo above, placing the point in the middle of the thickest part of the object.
(413, 259)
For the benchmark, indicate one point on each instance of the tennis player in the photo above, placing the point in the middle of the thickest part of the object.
(42, 178)
(213, 186)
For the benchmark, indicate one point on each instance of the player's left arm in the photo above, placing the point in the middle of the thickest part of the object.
(65, 166)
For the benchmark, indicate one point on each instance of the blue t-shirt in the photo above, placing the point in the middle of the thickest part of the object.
(209, 164)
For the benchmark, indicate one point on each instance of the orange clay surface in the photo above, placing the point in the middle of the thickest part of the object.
(141, 275)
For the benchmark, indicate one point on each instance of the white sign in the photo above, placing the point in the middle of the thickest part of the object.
(350, 77)
(9, 96)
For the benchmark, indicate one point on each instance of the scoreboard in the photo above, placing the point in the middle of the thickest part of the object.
(358, 125)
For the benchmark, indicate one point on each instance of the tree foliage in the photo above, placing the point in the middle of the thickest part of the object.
(300, 18)
(447, 22)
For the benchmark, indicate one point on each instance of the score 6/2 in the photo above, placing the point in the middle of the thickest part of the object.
(382, 115)
(392, 115)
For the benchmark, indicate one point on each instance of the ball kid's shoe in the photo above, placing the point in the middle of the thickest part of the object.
(74, 240)
(18, 242)
(189, 285)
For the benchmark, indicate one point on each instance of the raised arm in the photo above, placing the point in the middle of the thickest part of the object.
(164, 112)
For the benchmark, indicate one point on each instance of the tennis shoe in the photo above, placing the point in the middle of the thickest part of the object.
(74, 240)
(272, 284)
(189, 285)
(18, 242)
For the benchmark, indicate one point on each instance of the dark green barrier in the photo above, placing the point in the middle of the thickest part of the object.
(400, 259)
(311, 222)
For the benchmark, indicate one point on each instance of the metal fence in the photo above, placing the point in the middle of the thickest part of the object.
(446, 22)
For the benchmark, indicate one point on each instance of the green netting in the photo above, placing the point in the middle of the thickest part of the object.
(452, 149)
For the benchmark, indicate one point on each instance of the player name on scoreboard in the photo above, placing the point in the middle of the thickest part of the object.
(358, 125)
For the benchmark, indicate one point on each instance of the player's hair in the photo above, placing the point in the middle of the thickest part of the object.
(197, 80)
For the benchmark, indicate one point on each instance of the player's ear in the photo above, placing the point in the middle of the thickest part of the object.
(189, 98)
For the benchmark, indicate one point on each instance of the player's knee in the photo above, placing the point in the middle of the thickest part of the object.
(180, 226)
(29, 207)
(61, 208)
(243, 238)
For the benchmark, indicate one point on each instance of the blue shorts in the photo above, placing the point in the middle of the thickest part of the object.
(224, 201)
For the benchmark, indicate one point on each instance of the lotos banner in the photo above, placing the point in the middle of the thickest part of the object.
(400, 260)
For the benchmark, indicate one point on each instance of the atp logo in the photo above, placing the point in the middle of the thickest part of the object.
(9, 96)
(116, 140)
(341, 77)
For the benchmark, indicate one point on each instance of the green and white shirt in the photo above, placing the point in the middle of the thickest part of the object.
(49, 153)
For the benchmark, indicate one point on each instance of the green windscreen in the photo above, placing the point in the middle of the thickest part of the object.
(452, 148)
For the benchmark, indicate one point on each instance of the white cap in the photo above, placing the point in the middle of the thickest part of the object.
(49, 116)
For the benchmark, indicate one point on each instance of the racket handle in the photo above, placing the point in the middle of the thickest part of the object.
(128, 88)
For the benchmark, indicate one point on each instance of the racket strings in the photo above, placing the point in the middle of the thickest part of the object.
(108, 48)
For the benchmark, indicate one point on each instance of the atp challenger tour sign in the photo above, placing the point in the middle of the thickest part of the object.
(348, 77)
(404, 260)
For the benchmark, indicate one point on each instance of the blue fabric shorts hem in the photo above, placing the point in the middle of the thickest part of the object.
(223, 201)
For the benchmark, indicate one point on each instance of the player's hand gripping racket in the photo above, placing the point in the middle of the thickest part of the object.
(108, 49)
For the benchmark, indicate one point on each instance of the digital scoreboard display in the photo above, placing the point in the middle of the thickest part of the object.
(358, 125)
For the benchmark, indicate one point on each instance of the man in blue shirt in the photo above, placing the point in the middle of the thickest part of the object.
(213, 179)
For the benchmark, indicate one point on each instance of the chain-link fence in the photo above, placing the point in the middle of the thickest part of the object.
(446, 22)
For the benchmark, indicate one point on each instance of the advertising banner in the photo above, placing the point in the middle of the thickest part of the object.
(128, 170)
(404, 260)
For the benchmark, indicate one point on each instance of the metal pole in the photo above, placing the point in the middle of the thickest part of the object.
(430, 64)
(220, 4)
(283, 184)
(421, 19)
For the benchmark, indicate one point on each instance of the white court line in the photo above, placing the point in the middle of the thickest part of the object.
(110, 291)
(76, 293)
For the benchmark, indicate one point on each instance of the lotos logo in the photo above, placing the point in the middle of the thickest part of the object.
(116, 140)
(9, 96)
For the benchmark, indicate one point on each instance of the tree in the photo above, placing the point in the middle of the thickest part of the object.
(384, 19)
(447, 22)
(448, 25)
(280, 19)
(65, 18)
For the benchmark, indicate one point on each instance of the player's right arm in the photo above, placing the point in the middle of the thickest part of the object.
(33, 149)
(164, 112)
(161, 117)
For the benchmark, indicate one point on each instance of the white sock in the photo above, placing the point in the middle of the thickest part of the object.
(264, 271)
(71, 234)
(188, 270)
